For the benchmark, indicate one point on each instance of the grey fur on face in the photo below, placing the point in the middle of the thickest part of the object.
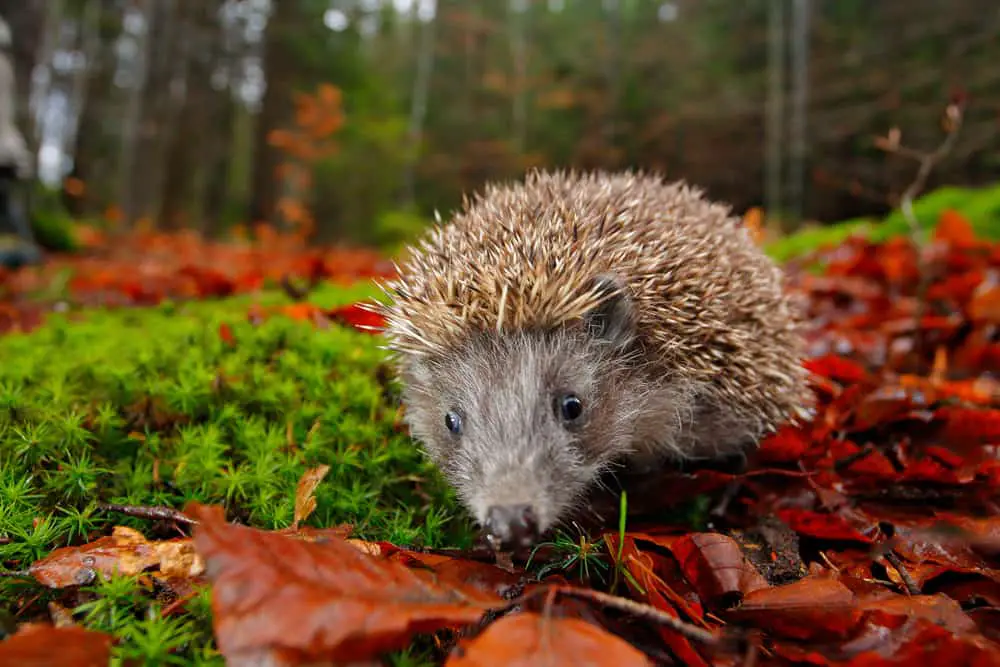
(532, 418)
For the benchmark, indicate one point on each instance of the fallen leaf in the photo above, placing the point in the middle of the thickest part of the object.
(813, 608)
(43, 645)
(126, 551)
(531, 639)
(717, 568)
(226, 334)
(305, 500)
(274, 596)
(954, 229)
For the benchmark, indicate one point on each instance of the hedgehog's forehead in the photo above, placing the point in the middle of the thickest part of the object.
(428, 325)
(525, 353)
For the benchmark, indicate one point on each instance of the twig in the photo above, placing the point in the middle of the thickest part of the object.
(911, 585)
(146, 512)
(953, 117)
(16, 574)
(954, 114)
(644, 611)
(847, 461)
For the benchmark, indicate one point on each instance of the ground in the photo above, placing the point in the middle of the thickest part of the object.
(224, 473)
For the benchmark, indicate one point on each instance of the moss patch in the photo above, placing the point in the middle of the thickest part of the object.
(979, 206)
(155, 407)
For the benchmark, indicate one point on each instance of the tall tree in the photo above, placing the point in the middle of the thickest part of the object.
(26, 20)
(93, 153)
(279, 75)
(199, 30)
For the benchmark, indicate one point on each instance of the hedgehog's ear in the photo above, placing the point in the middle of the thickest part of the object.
(613, 320)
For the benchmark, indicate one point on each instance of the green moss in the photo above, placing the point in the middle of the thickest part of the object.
(54, 230)
(979, 206)
(154, 407)
(802, 242)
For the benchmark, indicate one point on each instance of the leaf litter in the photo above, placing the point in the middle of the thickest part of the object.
(869, 536)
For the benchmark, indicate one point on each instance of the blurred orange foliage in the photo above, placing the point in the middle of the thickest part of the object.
(318, 117)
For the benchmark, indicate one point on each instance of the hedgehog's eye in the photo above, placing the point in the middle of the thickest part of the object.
(569, 407)
(453, 422)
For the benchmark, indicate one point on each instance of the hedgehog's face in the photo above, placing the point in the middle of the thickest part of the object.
(522, 424)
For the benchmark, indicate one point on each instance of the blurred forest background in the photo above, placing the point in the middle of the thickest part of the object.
(359, 118)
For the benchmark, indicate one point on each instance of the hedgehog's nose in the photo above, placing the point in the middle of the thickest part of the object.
(511, 526)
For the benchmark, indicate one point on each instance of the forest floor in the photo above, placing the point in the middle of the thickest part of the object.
(223, 475)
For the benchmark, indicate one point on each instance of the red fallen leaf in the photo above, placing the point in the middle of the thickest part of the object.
(43, 645)
(971, 592)
(857, 288)
(964, 427)
(531, 639)
(813, 608)
(226, 334)
(923, 629)
(981, 391)
(927, 469)
(716, 567)
(125, 551)
(938, 609)
(953, 228)
(304, 312)
(484, 576)
(658, 593)
(837, 368)
(980, 534)
(873, 465)
(958, 287)
(915, 641)
(984, 306)
(358, 316)
(210, 281)
(276, 598)
(884, 405)
(822, 525)
(787, 445)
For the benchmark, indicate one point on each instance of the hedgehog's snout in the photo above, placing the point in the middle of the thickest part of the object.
(511, 527)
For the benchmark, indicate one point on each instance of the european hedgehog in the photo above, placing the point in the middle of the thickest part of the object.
(571, 324)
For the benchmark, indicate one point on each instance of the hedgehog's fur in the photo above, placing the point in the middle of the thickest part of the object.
(713, 341)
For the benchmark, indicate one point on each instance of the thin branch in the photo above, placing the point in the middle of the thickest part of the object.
(146, 512)
(953, 117)
(645, 612)
(16, 574)
(911, 586)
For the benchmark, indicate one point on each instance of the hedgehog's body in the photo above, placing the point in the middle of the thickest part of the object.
(569, 323)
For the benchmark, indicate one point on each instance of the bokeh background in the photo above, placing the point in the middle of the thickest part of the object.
(360, 118)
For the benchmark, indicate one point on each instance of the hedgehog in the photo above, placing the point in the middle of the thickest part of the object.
(573, 323)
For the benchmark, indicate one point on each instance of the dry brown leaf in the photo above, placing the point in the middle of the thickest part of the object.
(126, 551)
(529, 640)
(716, 567)
(305, 499)
(43, 645)
(275, 597)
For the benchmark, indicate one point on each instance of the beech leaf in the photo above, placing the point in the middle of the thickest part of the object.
(528, 639)
(275, 596)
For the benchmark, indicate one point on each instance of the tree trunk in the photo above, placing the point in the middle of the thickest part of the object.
(517, 11)
(418, 106)
(26, 20)
(274, 111)
(219, 161)
(187, 142)
(130, 157)
(92, 143)
(157, 107)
